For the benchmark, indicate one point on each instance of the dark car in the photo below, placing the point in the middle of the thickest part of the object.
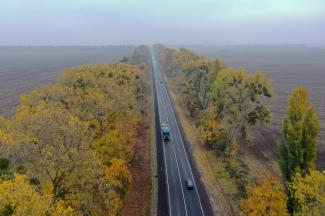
(189, 184)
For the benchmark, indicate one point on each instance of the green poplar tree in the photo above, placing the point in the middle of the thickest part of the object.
(300, 130)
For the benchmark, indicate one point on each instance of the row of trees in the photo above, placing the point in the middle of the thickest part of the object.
(68, 148)
(226, 104)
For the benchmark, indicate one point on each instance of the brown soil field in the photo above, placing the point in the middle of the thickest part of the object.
(24, 68)
(288, 67)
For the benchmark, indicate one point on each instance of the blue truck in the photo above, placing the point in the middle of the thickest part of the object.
(165, 131)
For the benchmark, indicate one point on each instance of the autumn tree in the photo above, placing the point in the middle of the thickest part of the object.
(300, 131)
(308, 193)
(267, 199)
(171, 61)
(118, 177)
(4, 165)
(209, 128)
(74, 139)
(238, 98)
(141, 55)
(196, 71)
(54, 147)
(18, 197)
(114, 145)
(196, 88)
(226, 103)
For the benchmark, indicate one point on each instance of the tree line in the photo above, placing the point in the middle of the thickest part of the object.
(226, 105)
(69, 146)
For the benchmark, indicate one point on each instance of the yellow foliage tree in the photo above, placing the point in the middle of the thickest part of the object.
(18, 197)
(209, 127)
(114, 144)
(267, 199)
(239, 97)
(308, 193)
(75, 138)
(118, 175)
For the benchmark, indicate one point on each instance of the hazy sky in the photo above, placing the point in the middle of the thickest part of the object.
(105, 22)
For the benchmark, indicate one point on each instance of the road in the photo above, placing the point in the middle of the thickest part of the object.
(177, 168)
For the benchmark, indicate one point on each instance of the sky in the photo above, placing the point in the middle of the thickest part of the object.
(133, 22)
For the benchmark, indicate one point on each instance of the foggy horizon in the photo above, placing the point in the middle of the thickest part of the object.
(162, 107)
(180, 22)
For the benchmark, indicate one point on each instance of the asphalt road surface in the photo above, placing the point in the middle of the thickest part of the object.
(181, 200)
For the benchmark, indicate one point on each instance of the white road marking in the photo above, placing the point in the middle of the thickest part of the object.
(165, 163)
(170, 132)
(169, 102)
(179, 173)
(180, 180)
(170, 105)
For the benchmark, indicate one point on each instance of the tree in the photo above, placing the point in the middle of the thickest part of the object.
(308, 193)
(113, 145)
(267, 199)
(226, 102)
(141, 55)
(196, 86)
(74, 139)
(55, 148)
(208, 126)
(18, 197)
(171, 61)
(53, 143)
(210, 129)
(197, 71)
(238, 98)
(300, 131)
(4, 165)
(100, 94)
(118, 175)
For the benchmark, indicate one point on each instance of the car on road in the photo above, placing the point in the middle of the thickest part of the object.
(189, 184)
(165, 131)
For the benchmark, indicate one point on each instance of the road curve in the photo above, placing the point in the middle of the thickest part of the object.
(176, 165)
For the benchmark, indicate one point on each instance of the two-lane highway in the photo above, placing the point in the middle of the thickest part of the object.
(181, 200)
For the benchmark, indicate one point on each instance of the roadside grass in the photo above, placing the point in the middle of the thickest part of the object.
(258, 170)
(221, 188)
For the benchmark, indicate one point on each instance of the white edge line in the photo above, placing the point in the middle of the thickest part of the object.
(184, 150)
(179, 173)
(169, 203)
